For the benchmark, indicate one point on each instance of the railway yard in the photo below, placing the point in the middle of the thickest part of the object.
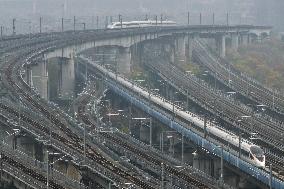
(103, 156)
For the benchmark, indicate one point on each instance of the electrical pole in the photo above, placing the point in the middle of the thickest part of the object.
(222, 165)
(1, 31)
(182, 147)
(161, 18)
(106, 22)
(151, 130)
(270, 176)
(187, 100)
(227, 19)
(240, 141)
(40, 24)
(74, 23)
(62, 24)
(97, 22)
(205, 126)
(14, 26)
(156, 18)
(162, 142)
(1, 163)
(200, 18)
(120, 20)
(47, 170)
(162, 175)
(84, 143)
(84, 26)
(188, 17)
(129, 119)
(213, 21)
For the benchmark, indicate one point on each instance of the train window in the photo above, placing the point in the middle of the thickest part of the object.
(257, 151)
(250, 156)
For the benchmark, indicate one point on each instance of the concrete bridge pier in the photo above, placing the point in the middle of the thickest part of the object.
(28, 76)
(206, 164)
(39, 78)
(67, 77)
(189, 47)
(168, 50)
(235, 41)
(245, 39)
(27, 145)
(67, 168)
(180, 49)
(144, 133)
(221, 45)
(183, 47)
(124, 60)
(59, 163)
(136, 54)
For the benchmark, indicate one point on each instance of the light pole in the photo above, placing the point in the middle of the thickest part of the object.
(270, 176)
(222, 164)
(47, 169)
(240, 133)
(162, 175)
(150, 126)
(109, 105)
(84, 143)
(40, 24)
(47, 165)
(182, 148)
(171, 137)
(230, 75)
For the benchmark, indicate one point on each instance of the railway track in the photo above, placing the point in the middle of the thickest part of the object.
(15, 55)
(237, 81)
(118, 140)
(226, 110)
(17, 86)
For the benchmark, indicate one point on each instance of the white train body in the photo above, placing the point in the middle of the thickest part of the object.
(254, 154)
(140, 24)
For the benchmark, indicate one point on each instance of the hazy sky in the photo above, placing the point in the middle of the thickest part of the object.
(241, 11)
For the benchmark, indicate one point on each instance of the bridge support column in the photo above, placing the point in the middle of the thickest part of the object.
(180, 49)
(40, 80)
(221, 45)
(205, 164)
(189, 49)
(235, 41)
(183, 47)
(67, 78)
(259, 39)
(27, 145)
(244, 39)
(144, 133)
(124, 60)
(29, 76)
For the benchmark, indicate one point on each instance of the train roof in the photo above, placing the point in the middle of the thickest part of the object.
(145, 22)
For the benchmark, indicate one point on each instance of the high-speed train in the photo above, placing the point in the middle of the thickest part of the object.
(140, 24)
(252, 153)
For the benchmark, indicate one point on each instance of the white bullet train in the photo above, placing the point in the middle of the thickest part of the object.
(140, 24)
(252, 153)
